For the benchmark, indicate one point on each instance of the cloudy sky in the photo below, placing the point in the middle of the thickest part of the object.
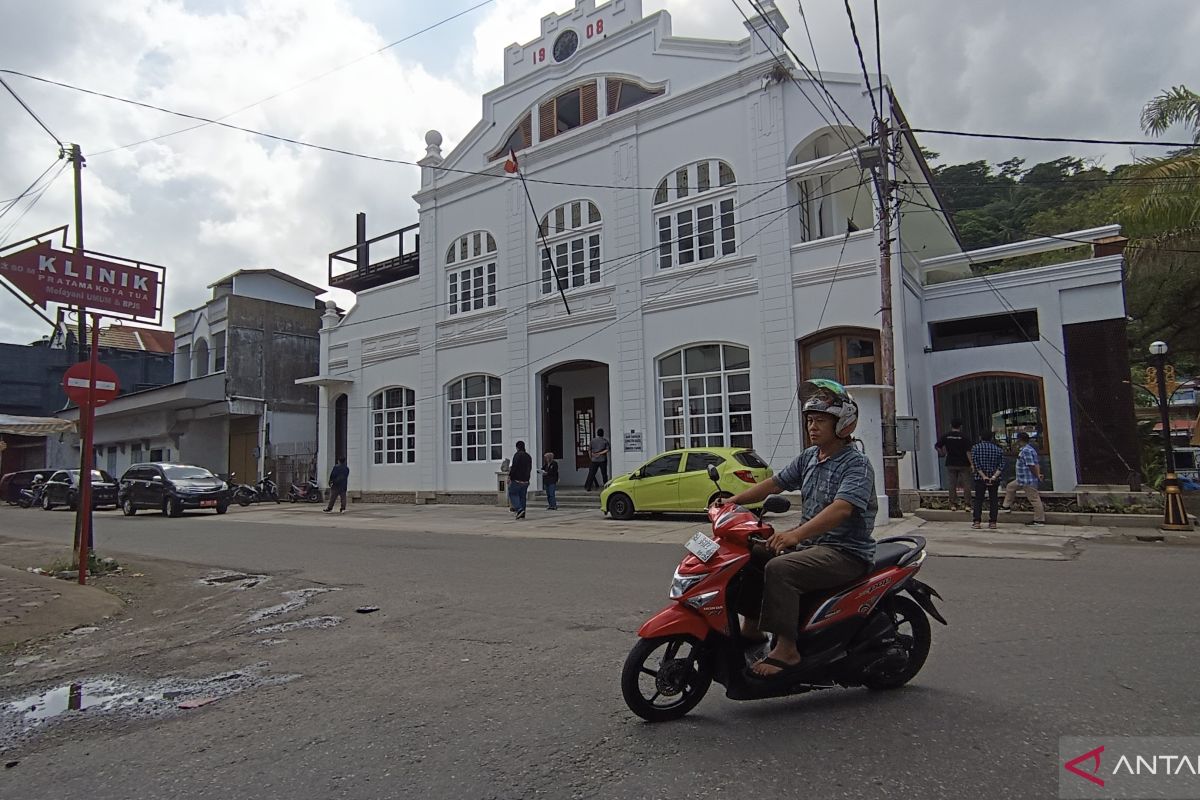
(210, 201)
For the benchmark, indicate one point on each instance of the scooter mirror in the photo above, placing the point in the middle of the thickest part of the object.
(713, 475)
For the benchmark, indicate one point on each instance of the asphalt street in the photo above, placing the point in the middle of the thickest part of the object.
(492, 667)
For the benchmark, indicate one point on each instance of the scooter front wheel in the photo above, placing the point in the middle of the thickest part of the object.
(665, 677)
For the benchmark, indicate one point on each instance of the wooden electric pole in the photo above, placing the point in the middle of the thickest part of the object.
(887, 347)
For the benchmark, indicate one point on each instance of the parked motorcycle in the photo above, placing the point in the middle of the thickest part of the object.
(264, 491)
(862, 634)
(32, 494)
(307, 492)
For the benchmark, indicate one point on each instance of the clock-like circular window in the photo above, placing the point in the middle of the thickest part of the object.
(565, 45)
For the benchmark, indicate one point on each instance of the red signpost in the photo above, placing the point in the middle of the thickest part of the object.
(103, 285)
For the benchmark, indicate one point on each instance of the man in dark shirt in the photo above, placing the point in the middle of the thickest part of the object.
(518, 480)
(954, 445)
(339, 481)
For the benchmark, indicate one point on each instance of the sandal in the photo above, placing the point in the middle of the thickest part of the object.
(784, 672)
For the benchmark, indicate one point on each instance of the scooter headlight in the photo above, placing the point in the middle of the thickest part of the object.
(681, 583)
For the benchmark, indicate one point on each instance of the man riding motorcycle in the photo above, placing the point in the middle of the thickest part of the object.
(832, 545)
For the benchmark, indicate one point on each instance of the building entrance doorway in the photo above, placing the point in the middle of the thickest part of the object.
(243, 448)
(574, 406)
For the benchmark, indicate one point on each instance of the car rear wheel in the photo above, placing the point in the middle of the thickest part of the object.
(620, 506)
(128, 508)
(46, 504)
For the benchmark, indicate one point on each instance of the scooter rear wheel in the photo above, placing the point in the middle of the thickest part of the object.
(913, 636)
(664, 678)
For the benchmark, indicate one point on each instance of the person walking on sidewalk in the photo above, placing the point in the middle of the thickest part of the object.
(599, 452)
(549, 472)
(1029, 477)
(339, 482)
(518, 480)
(987, 464)
(954, 445)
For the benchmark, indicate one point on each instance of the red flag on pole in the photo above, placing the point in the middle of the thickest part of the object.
(510, 166)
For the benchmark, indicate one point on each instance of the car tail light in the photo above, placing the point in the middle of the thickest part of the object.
(746, 475)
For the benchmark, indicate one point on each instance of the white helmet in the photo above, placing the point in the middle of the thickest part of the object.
(826, 396)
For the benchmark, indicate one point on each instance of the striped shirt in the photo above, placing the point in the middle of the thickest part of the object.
(988, 458)
(1027, 459)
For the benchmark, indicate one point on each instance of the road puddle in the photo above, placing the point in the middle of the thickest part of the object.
(121, 696)
(312, 623)
(295, 600)
(243, 580)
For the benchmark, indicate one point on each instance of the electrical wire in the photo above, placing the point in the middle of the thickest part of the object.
(36, 118)
(719, 261)
(1065, 139)
(1010, 310)
(619, 261)
(10, 204)
(4, 237)
(301, 84)
(335, 150)
(861, 61)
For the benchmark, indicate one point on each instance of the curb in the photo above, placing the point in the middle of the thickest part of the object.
(1056, 518)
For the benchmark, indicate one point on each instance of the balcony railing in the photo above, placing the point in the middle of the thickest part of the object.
(370, 268)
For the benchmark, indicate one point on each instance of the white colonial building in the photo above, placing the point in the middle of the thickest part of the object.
(714, 236)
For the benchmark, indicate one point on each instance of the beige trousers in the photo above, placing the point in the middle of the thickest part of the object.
(1031, 492)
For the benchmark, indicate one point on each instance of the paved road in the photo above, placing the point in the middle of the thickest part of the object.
(491, 672)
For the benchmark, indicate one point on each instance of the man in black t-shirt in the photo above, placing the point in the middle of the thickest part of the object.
(955, 445)
(519, 472)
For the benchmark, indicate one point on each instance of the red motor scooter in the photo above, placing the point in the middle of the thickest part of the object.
(866, 633)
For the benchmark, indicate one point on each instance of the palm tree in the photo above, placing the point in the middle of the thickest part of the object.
(1165, 201)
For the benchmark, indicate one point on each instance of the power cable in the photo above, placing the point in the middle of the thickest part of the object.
(1010, 310)
(861, 61)
(1066, 139)
(302, 83)
(326, 149)
(820, 321)
(29, 207)
(36, 118)
(779, 61)
(830, 101)
(720, 260)
(11, 203)
(603, 263)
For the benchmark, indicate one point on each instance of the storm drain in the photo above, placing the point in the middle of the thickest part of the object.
(243, 580)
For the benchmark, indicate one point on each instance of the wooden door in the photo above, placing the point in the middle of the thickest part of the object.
(585, 429)
(243, 439)
(552, 424)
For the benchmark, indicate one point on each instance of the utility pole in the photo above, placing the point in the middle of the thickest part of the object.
(75, 156)
(83, 511)
(883, 183)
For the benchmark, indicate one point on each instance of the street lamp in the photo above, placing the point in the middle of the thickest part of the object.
(1174, 515)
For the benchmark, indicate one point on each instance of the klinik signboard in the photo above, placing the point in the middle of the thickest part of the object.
(96, 284)
(110, 285)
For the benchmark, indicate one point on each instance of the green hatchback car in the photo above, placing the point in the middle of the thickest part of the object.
(678, 481)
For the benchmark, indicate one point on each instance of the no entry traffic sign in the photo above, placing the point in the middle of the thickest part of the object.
(75, 383)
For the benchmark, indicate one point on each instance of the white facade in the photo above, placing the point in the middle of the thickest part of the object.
(712, 215)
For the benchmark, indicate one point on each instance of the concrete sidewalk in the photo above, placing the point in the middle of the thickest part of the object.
(950, 538)
(37, 605)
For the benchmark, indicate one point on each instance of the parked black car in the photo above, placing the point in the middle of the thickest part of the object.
(63, 489)
(170, 488)
(13, 482)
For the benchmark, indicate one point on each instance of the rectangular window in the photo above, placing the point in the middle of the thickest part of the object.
(472, 288)
(697, 234)
(986, 331)
(577, 265)
(575, 262)
(594, 258)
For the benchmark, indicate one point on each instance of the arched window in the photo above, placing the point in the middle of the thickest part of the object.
(827, 197)
(693, 214)
(567, 111)
(623, 94)
(394, 426)
(471, 281)
(571, 254)
(1004, 403)
(475, 420)
(200, 359)
(520, 138)
(705, 394)
(847, 355)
